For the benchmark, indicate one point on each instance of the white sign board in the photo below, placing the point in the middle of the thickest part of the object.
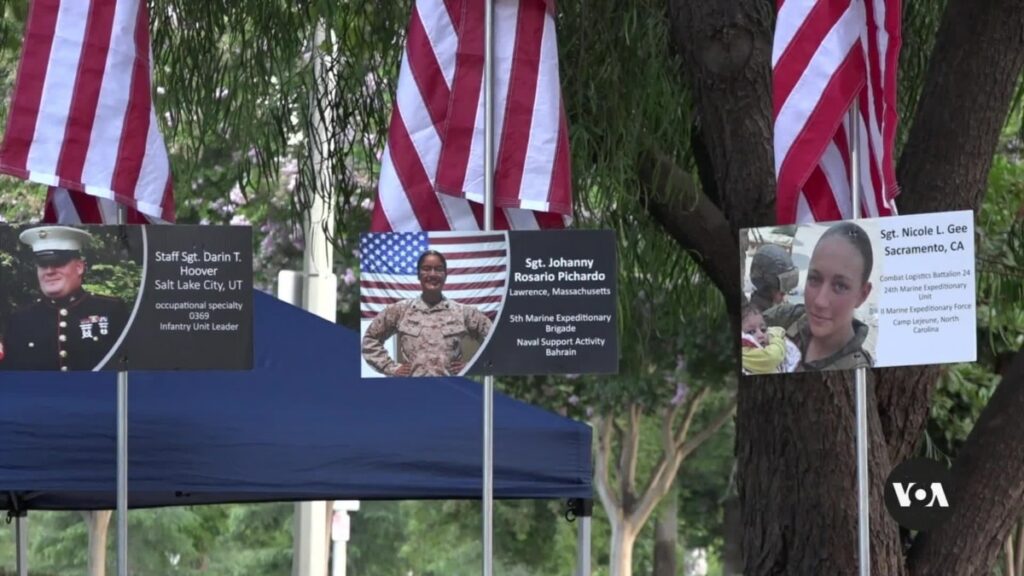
(882, 292)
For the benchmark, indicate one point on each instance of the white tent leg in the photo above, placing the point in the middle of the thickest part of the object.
(583, 547)
(580, 512)
(21, 533)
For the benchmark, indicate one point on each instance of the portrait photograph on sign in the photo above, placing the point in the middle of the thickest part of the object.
(65, 296)
(455, 303)
(428, 300)
(84, 298)
(865, 293)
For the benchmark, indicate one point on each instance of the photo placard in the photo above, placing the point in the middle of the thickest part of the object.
(519, 302)
(76, 298)
(896, 291)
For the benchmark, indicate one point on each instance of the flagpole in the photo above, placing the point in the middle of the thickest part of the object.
(860, 377)
(122, 453)
(488, 481)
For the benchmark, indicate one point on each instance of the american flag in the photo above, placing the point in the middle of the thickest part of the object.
(432, 167)
(477, 268)
(828, 54)
(82, 119)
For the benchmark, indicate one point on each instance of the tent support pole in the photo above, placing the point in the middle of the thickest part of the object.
(21, 535)
(582, 510)
(583, 546)
(488, 480)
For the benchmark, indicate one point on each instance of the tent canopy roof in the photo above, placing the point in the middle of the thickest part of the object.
(302, 425)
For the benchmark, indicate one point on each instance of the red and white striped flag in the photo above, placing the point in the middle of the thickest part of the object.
(828, 54)
(432, 168)
(477, 268)
(82, 119)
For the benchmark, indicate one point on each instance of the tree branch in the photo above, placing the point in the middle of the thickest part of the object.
(668, 442)
(602, 458)
(664, 473)
(701, 437)
(697, 225)
(662, 477)
(691, 410)
(989, 496)
(630, 447)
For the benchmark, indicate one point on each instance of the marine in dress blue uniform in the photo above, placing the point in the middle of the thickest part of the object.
(66, 328)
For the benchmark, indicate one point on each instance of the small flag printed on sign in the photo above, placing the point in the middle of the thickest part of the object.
(477, 268)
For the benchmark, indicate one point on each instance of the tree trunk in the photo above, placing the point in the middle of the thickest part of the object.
(795, 435)
(1020, 548)
(732, 546)
(989, 493)
(974, 69)
(97, 523)
(623, 538)
(726, 49)
(666, 536)
(795, 440)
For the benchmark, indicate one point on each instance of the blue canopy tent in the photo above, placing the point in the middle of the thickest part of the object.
(300, 426)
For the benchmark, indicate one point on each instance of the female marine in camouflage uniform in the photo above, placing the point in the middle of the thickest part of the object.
(823, 327)
(430, 328)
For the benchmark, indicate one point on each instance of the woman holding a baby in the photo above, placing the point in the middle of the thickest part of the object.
(822, 333)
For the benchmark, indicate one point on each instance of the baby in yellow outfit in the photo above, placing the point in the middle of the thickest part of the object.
(766, 350)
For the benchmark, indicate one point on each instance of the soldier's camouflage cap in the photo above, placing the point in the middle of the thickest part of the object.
(55, 245)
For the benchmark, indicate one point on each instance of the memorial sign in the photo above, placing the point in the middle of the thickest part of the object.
(494, 303)
(125, 298)
(896, 291)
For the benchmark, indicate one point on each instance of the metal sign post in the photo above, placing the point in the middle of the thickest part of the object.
(488, 496)
(122, 456)
(860, 379)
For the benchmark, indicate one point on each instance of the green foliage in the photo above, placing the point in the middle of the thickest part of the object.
(965, 389)
(1000, 253)
(161, 543)
(703, 485)
(443, 538)
(610, 130)
(229, 72)
(58, 542)
(20, 201)
(120, 280)
(378, 530)
(232, 540)
(256, 541)
(239, 77)
(921, 19)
